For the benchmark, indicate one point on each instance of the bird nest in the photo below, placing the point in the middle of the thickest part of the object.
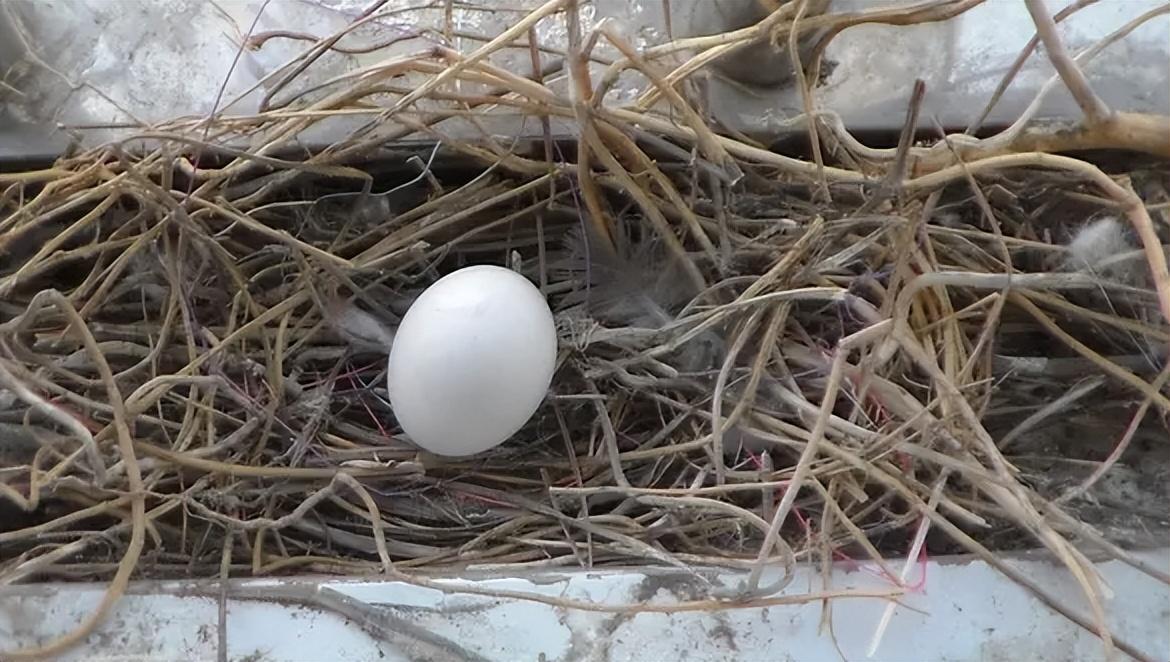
(944, 346)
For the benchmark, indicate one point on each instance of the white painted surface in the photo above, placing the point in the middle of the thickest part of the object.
(153, 60)
(964, 612)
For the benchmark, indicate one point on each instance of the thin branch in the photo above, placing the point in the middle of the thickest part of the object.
(1091, 105)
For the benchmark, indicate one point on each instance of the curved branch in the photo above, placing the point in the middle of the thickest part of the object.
(1094, 108)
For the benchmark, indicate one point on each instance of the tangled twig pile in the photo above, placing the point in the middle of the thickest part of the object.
(848, 354)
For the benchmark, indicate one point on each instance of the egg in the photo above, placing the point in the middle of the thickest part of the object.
(472, 360)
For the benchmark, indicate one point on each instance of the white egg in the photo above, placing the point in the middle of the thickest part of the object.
(472, 360)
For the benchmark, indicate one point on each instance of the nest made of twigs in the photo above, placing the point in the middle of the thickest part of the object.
(854, 357)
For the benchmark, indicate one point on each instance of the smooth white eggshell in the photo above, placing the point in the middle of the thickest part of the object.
(472, 360)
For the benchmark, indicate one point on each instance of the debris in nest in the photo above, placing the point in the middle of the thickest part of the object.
(1095, 247)
(361, 330)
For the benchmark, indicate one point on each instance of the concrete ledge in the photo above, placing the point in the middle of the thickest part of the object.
(963, 611)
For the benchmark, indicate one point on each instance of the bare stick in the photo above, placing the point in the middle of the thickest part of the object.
(806, 97)
(1091, 105)
(582, 95)
(1019, 64)
(911, 559)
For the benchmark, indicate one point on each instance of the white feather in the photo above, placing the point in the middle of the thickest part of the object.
(1094, 245)
(360, 329)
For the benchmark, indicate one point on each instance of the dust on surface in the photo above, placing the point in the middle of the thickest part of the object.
(1130, 503)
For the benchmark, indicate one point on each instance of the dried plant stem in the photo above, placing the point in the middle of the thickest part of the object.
(134, 477)
(1095, 110)
(1122, 444)
(1112, 369)
(855, 341)
(509, 35)
(1018, 64)
(908, 564)
(93, 455)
